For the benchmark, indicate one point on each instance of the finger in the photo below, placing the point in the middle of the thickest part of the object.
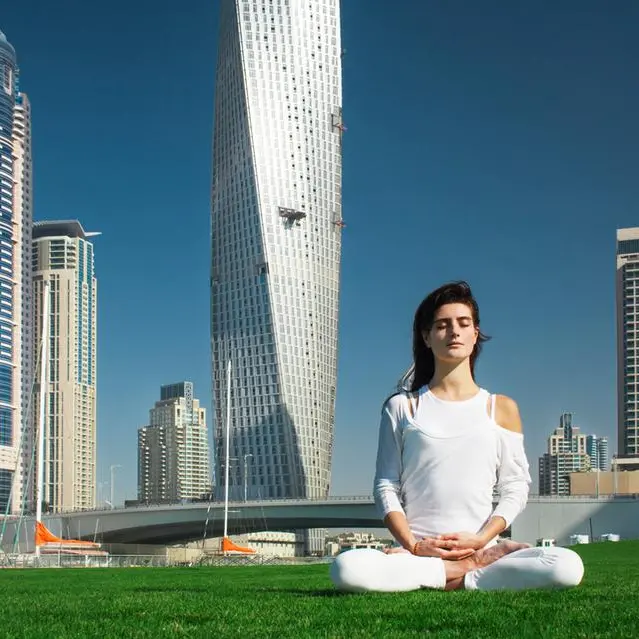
(443, 543)
(433, 542)
(448, 544)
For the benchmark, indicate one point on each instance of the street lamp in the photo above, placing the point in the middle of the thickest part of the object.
(113, 467)
(102, 492)
(246, 474)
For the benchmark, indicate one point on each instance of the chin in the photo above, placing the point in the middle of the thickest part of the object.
(456, 355)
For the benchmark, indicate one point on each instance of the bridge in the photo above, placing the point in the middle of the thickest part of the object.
(177, 523)
(555, 517)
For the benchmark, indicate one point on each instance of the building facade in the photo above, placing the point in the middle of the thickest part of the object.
(276, 243)
(567, 453)
(16, 303)
(597, 449)
(627, 312)
(173, 450)
(63, 256)
(604, 483)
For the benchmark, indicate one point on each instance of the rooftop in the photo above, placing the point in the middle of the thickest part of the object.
(5, 45)
(57, 228)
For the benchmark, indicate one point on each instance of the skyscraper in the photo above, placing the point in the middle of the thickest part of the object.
(16, 315)
(63, 256)
(276, 242)
(627, 289)
(173, 450)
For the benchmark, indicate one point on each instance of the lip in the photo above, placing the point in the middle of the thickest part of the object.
(454, 344)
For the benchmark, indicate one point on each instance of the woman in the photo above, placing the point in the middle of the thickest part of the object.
(444, 445)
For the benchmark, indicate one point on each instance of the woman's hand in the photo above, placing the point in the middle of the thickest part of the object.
(439, 547)
(466, 540)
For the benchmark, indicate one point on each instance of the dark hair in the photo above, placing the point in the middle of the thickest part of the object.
(423, 360)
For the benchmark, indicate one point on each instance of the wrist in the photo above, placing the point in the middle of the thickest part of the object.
(483, 539)
(495, 526)
(410, 545)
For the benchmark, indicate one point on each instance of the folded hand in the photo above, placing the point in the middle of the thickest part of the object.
(439, 547)
(462, 539)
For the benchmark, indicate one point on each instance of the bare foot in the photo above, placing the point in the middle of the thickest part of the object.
(395, 549)
(487, 556)
(455, 570)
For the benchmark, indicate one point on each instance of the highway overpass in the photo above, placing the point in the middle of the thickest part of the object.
(555, 517)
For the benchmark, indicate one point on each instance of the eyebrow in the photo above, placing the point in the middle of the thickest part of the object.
(447, 319)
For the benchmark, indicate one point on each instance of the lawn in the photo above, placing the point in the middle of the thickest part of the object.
(299, 601)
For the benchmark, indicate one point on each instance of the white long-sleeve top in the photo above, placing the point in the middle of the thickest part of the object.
(440, 466)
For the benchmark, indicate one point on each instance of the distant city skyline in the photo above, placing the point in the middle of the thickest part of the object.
(475, 141)
(569, 451)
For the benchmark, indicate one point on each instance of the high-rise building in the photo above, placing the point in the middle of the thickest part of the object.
(16, 303)
(567, 453)
(173, 450)
(627, 294)
(276, 242)
(63, 256)
(597, 449)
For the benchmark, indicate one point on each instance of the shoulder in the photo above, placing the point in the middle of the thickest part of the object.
(507, 414)
(394, 405)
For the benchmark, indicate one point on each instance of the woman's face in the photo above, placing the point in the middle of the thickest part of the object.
(453, 334)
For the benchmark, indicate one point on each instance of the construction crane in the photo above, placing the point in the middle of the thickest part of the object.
(291, 216)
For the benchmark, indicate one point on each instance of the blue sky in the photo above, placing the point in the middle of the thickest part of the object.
(495, 142)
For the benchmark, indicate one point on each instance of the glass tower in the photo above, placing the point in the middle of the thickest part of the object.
(16, 302)
(276, 242)
(597, 449)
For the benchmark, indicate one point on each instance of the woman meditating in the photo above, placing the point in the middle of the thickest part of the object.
(444, 446)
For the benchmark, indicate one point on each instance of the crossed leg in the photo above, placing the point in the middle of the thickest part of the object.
(507, 565)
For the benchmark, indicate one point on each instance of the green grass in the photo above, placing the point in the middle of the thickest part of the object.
(299, 601)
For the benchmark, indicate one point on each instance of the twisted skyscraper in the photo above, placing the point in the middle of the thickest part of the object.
(276, 243)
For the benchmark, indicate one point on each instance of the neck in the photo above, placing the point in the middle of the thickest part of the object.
(453, 380)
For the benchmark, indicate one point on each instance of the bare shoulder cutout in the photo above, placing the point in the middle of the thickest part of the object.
(506, 414)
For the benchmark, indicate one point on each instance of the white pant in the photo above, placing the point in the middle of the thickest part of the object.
(364, 570)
